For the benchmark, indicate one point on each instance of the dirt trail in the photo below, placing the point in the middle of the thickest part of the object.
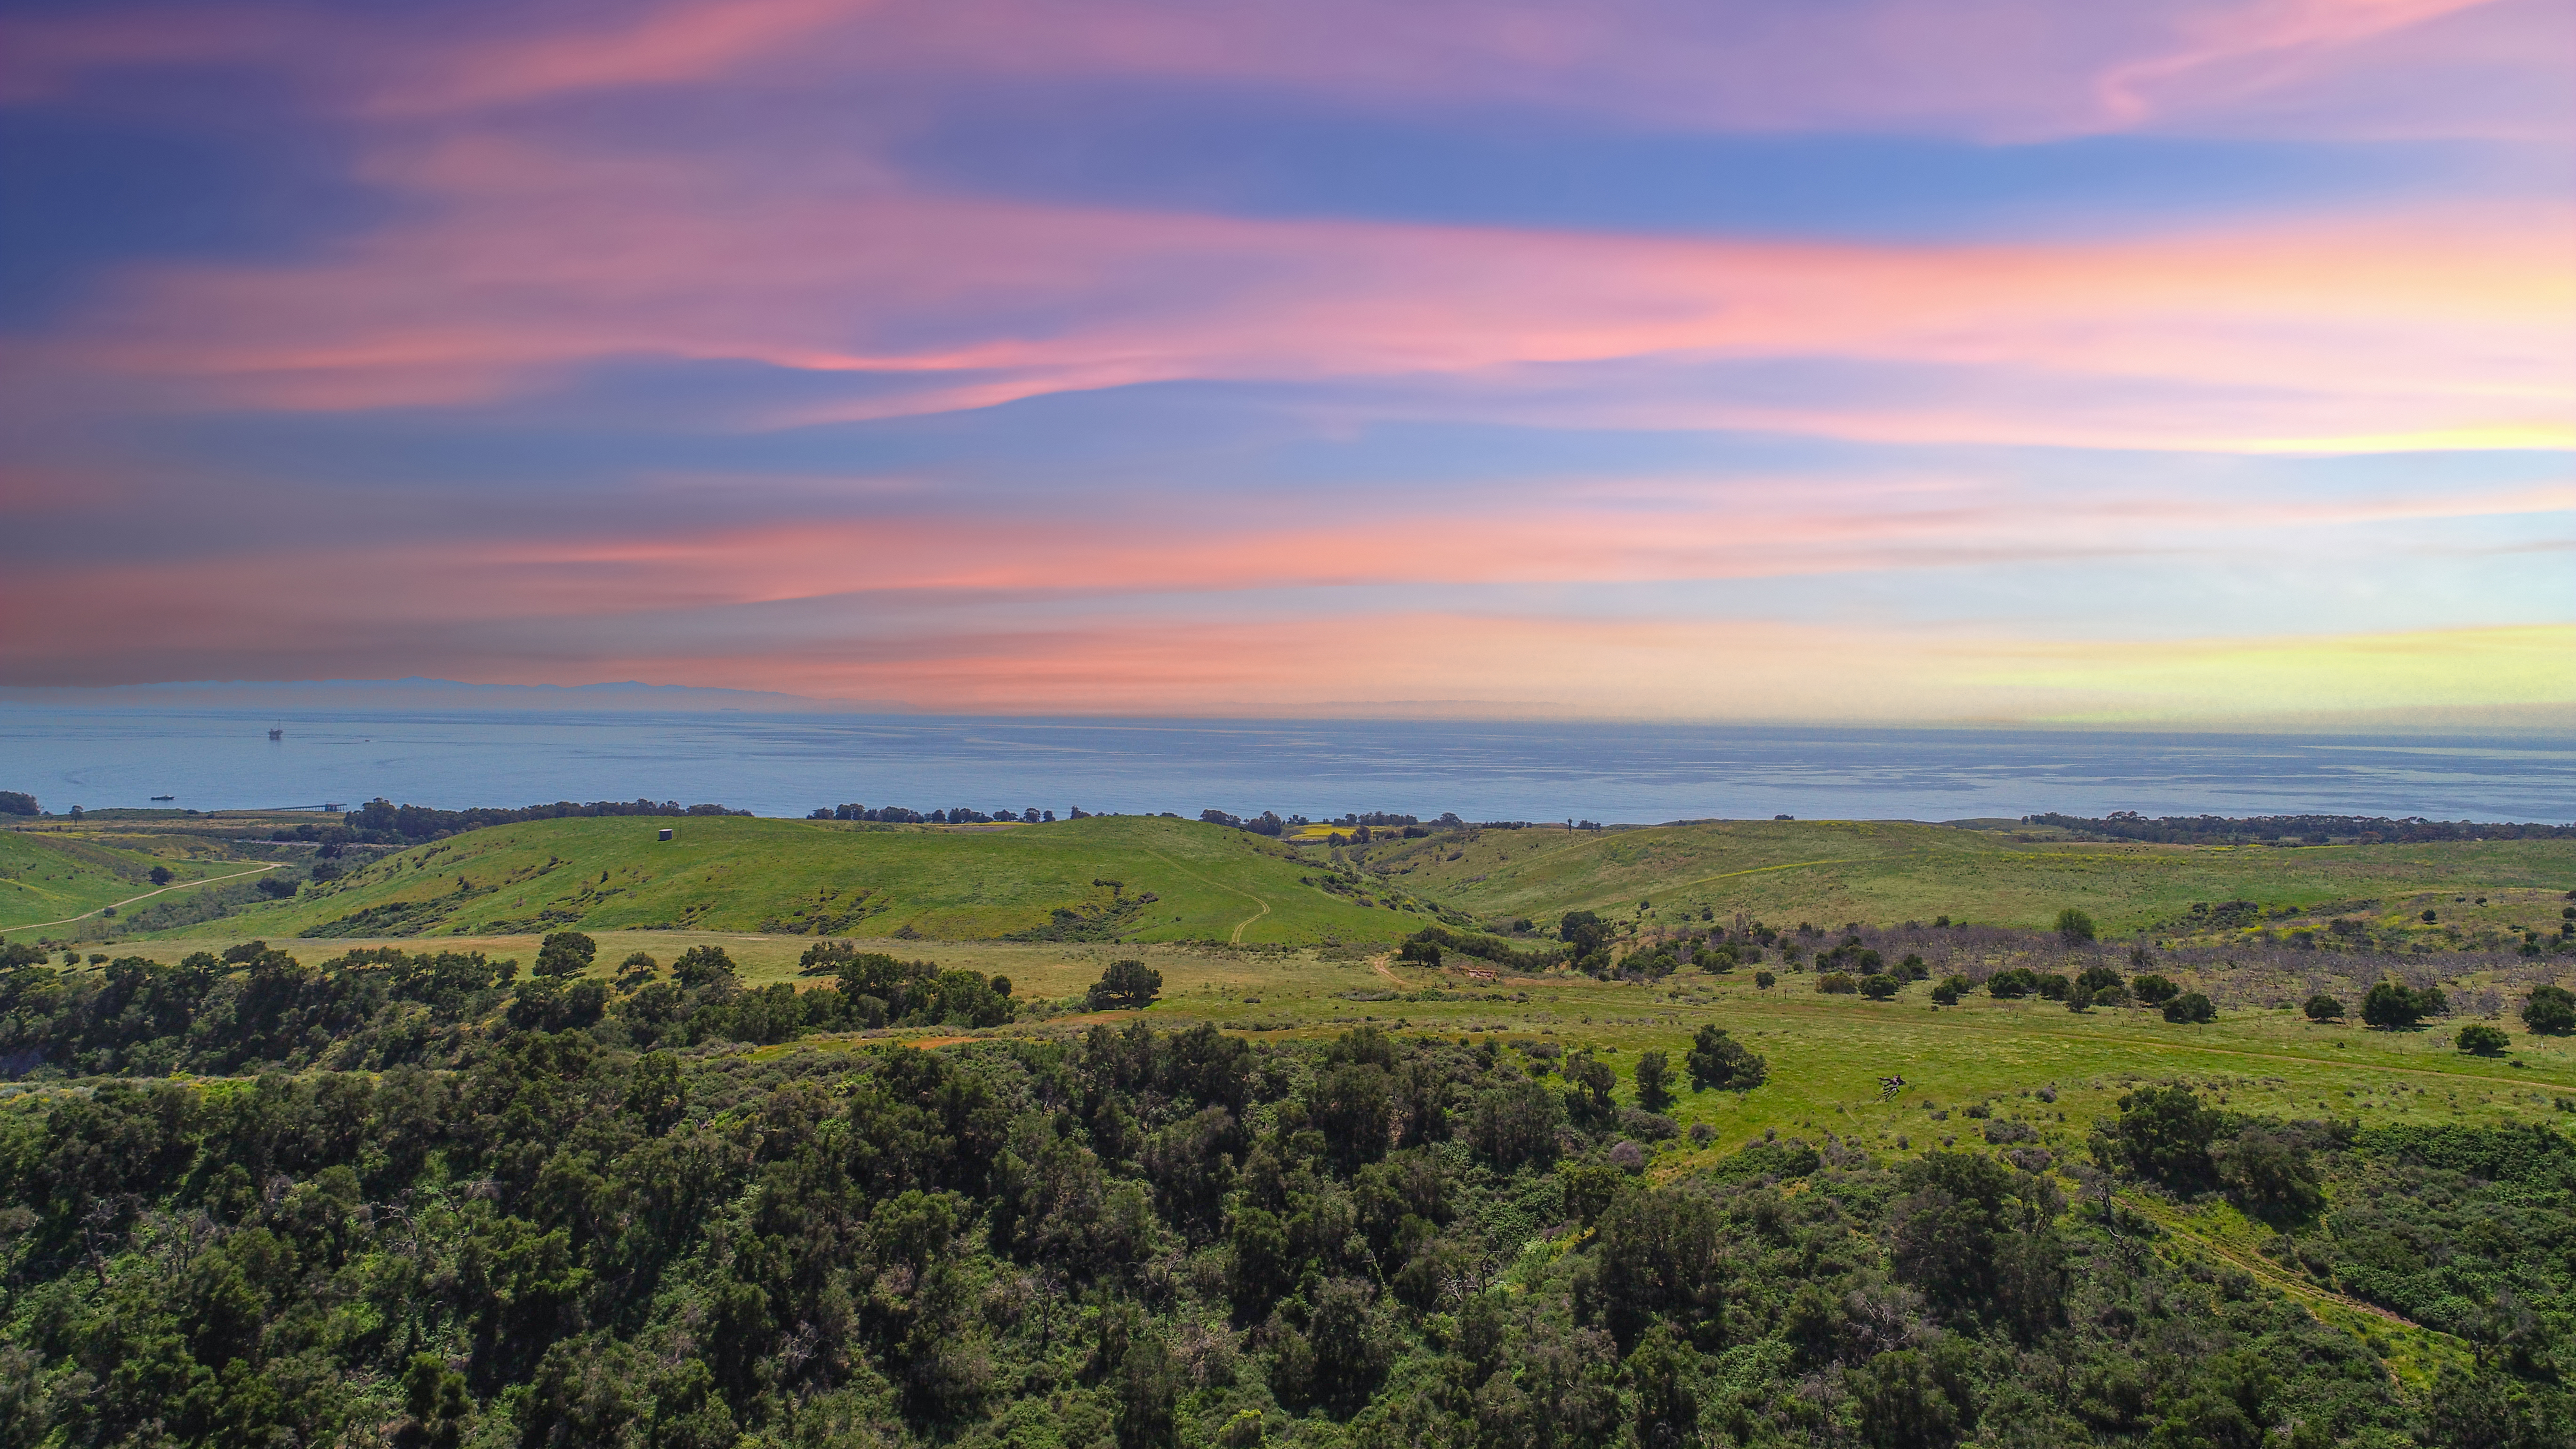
(2288, 1283)
(1237, 938)
(147, 895)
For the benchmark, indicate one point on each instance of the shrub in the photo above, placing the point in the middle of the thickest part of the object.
(1836, 983)
(2190, 1008)
(2163, 1134)
(2079, 999)
(1653, 1071)
(2098, 979)
(1764, 980)
(2480, 1039)
(1879, 987)
(1719, 1060)
(2074, 927)
(2322, 1007)
(1946, 993)
(2154, 990)
(2551, 1011)
(2012, 985)
(2393, 1006)
(2267, 1174)
(2053, 986)
(1913, 969)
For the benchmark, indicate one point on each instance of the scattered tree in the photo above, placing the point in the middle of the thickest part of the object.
(1719, 1060)
(703, 966)
(2191, 1009)
(2480, 1039)
(1126, 986)
(2074, 927)
(2322, 1007)
(2551, 1011)
(1653, 1090)
(2394, 1006)
(2163, 1134)
(565, 953)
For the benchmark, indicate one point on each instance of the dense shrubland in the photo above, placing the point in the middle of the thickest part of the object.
(255, 1006)
(592, 1234)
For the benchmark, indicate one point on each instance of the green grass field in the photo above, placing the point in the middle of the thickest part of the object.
(1826, 1052)
(1140, 878)
(1830, 872)
(1236, 928)
(50, 877)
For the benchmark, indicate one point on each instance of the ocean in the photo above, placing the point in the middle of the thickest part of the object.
(1615, 773)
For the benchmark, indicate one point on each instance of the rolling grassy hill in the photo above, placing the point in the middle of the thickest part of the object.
(1138, 878)
(1089, 880)
(1830, 872)
(52, 876)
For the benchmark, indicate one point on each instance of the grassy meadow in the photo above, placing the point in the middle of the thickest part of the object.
(1268, 940)
(1248, 935)
(1139, 878)
(58, 877)
(1826, 1052)
(1888, 871)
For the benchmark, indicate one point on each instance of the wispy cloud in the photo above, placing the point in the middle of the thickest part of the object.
(680, 341)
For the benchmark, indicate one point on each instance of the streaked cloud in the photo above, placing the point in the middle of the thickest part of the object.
(1996, 360)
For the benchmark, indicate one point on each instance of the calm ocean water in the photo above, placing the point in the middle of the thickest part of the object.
(788, 764)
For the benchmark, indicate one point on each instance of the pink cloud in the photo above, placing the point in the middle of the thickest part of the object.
(2254, 47)
(529, 266)
(1984, 67)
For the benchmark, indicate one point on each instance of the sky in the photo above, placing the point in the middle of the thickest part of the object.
(1858, 361)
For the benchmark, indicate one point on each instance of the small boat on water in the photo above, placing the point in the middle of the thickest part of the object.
(277, 734)
(165, 797)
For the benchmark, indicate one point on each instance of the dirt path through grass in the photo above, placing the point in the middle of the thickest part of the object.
(147, 895)
(1237, 938)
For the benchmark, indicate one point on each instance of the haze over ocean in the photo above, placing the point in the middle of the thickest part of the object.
(786, 764)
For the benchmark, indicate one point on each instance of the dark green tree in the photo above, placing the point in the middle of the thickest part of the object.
(2269, 1175)
(2190, 1009)
(2550, 1011)
(703, 966)
(1719, 1060)
(2394, 1006)
(1126, 986)
(2480, 1039)
(2163, 1134)
(565, 953)
(1654, 1092)
(2074, 928)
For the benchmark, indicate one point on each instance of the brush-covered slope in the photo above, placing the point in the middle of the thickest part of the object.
(1102, 878)
(1830, 872)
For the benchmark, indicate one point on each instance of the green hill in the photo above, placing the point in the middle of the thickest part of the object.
(53, 877)
(1139, 878)
(1830, 872)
